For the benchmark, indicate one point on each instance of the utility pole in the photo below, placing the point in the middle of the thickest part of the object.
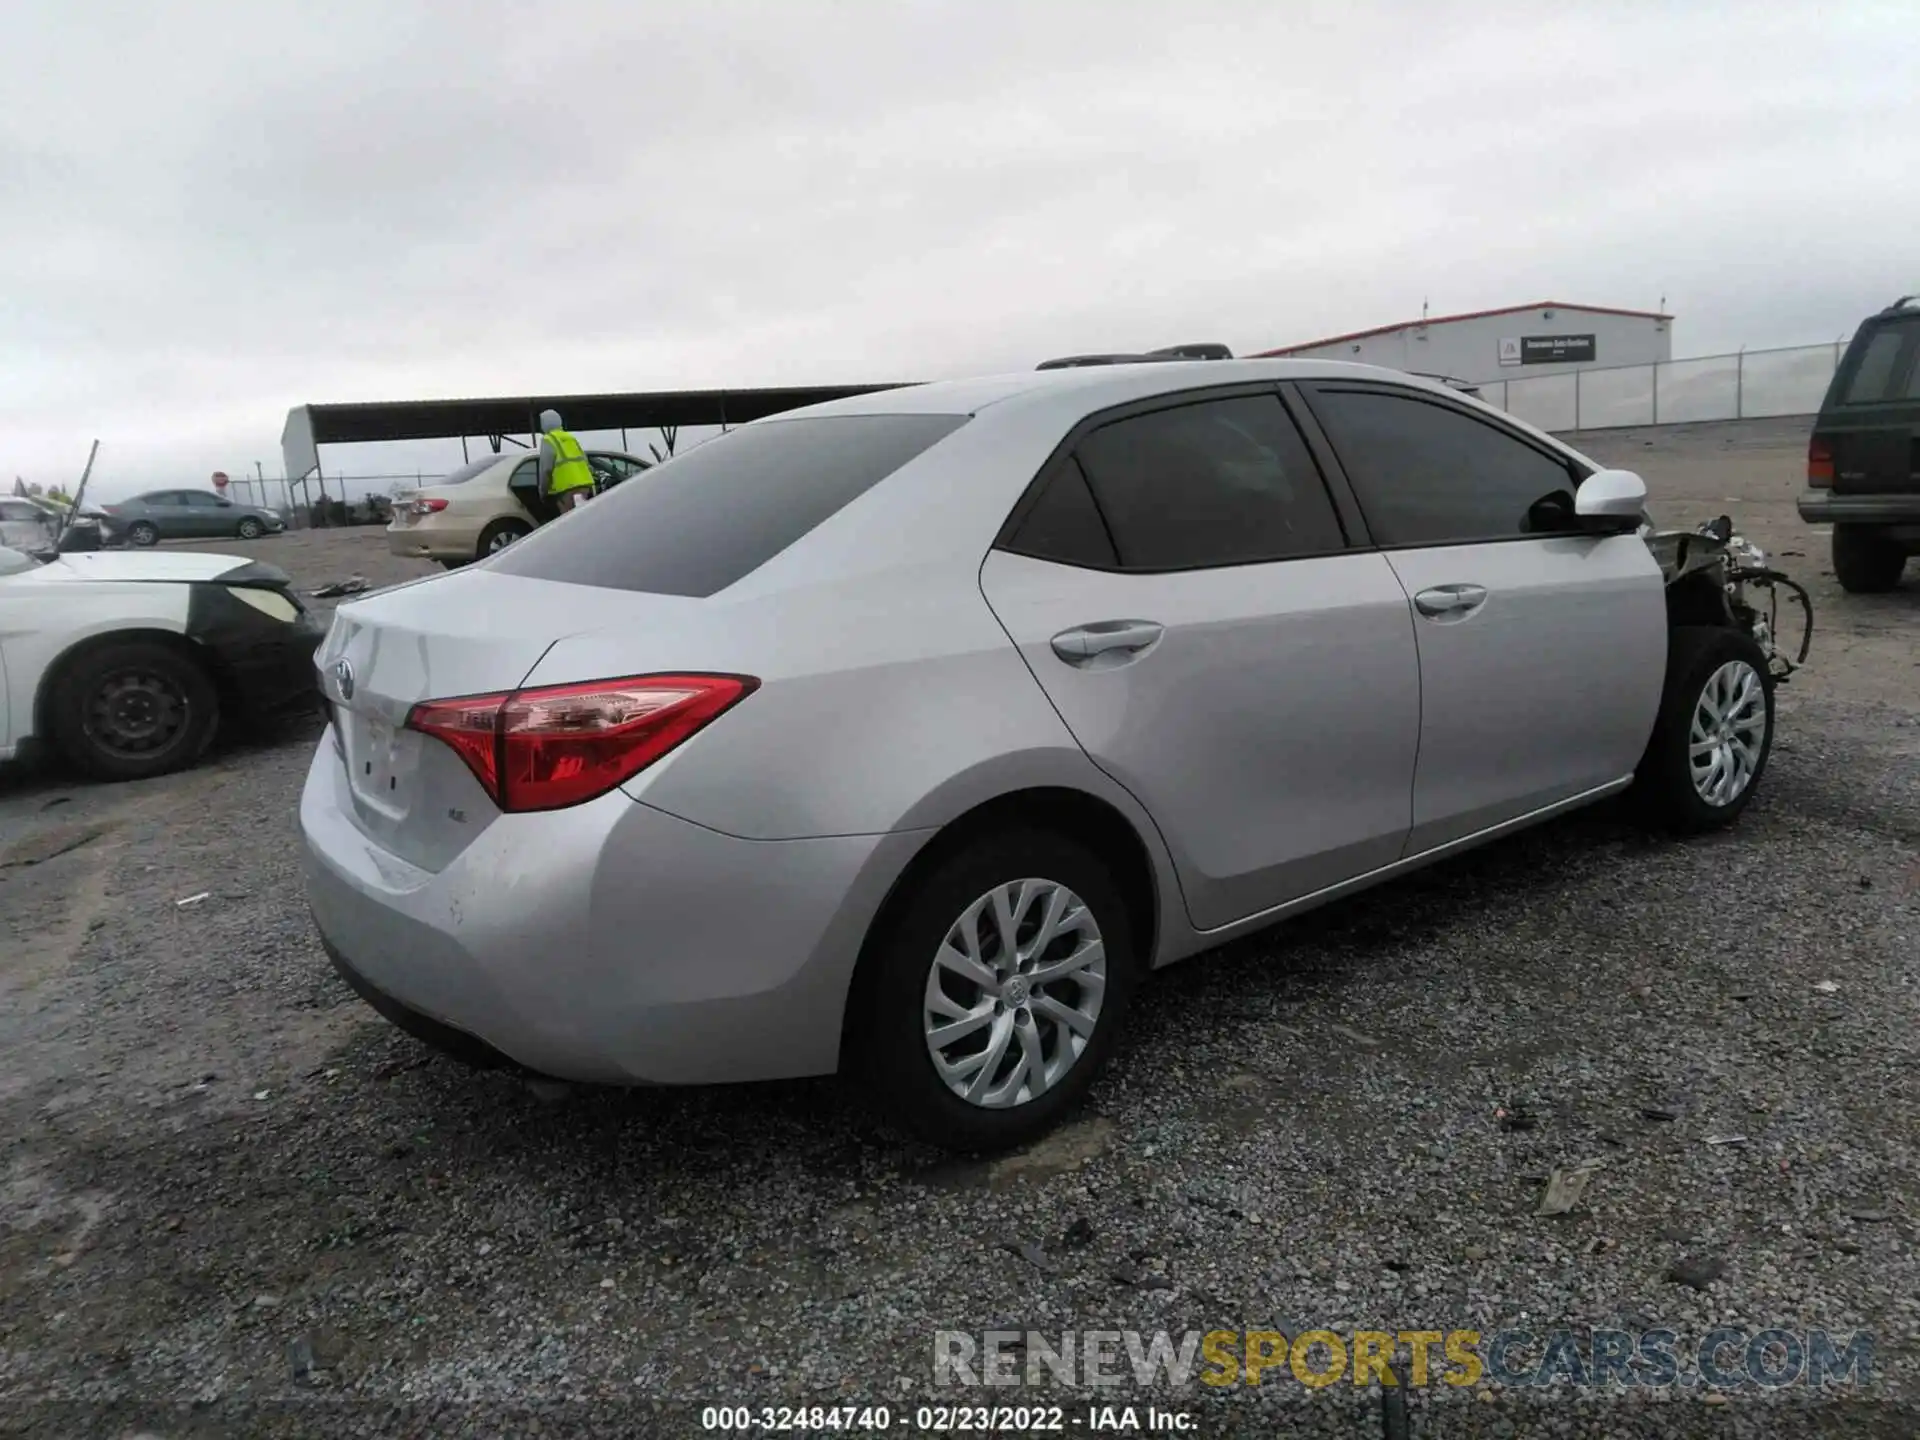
(79, 494)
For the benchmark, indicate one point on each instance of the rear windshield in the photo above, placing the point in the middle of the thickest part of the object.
(1874, 372)
(467, 471)
(705, 519)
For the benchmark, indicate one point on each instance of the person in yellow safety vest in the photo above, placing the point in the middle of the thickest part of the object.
(565, 476)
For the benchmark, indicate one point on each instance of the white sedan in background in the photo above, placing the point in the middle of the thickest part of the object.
(127, 663)
(486, 505)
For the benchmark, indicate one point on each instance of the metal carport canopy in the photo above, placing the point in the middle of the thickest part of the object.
(310, 426)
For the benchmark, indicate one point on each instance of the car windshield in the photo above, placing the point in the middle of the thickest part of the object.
(12, 562)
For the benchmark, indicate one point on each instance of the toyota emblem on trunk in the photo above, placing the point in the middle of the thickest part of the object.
(343, 677)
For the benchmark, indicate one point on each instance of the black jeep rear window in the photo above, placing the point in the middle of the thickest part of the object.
(1873, 375)
(705, 519)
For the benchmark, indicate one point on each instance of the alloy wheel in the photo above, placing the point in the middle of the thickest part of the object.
(1014, 993)
(1727, 734)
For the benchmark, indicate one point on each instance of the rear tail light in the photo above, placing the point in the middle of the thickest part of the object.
(1820, 463)
(427, 506)
(559, 745)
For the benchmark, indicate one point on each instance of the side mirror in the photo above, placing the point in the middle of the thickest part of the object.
(225, 504)
(1610, 502)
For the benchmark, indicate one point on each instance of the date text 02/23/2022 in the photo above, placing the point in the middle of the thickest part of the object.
(947, 1419)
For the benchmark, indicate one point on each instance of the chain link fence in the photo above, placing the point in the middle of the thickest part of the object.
(1747, 385)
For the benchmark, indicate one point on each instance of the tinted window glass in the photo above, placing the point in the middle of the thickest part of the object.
(1222, 482)
(1874, 374)
(1427, 474)
(721, 510)
(1065, 525)
(527, 473)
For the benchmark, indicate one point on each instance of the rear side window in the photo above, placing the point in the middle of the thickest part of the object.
(1220, 482)
(1428, 474)
(705, 519)
(1064, 525)
(1874, 373)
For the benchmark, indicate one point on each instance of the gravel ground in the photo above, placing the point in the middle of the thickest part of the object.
(234, 1202)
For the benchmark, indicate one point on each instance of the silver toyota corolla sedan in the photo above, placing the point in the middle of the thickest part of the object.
(903, 734)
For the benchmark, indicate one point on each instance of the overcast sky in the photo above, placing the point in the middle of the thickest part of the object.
(210, 212)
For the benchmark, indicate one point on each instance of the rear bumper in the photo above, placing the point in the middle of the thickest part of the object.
(607, 943)
(421, 543)
(1823, 507)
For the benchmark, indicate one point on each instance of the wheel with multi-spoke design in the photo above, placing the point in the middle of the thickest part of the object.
(1715, 730)
(130, 709)
(999, 987)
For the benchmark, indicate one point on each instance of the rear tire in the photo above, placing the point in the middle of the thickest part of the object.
(1865, 560)
(143, 533)
(133, 709)
(913, 994)
(1718, 702)
(500, 534)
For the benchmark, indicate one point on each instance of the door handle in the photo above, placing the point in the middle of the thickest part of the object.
(1118, 638)
(1456, 601)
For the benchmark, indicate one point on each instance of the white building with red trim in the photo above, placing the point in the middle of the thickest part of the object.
(1543, 338)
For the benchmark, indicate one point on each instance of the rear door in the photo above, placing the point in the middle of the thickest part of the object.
(1180, 584)
(1872, 421)
(1542, 650)
(524, 485)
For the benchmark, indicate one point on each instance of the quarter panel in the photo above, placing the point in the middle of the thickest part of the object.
(875, 702)
(40, 622)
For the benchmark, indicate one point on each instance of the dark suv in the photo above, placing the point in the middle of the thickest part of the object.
(1863, 463)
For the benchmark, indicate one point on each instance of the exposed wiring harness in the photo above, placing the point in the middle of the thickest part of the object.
(1771, 581)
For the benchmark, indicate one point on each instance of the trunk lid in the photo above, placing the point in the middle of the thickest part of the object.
(469, 632)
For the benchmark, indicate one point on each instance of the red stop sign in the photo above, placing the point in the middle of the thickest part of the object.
(219, 479)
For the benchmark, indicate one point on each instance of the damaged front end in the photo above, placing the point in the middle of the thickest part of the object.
(1715, 577)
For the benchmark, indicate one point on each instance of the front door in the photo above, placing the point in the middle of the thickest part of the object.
(1542, 650)
(1181, 588)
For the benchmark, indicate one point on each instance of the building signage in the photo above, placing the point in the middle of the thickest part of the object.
(1548, 350)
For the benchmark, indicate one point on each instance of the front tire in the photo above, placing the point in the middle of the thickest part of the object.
(251, 529)
(133, 709)
(1714, 733)
(1865, 560)
(999, 987)
(143, 533)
